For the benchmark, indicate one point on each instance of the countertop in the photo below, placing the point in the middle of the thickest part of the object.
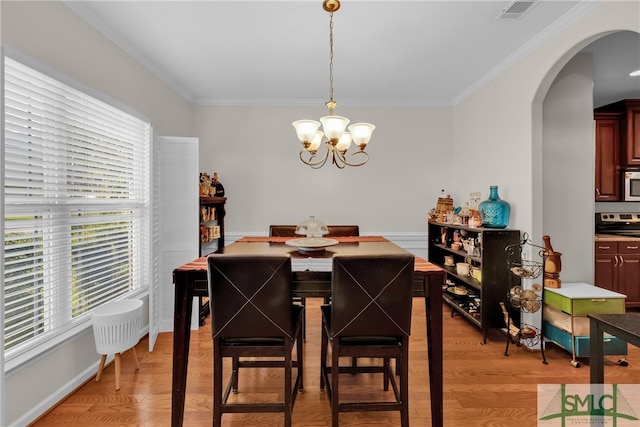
(604, 237)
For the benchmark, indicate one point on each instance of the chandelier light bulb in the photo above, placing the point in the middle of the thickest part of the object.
(315, 143)
(344, 142)
(306, 129)
(361, 133)
(334, 126)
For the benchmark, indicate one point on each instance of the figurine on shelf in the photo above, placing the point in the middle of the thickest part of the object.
(206, 189)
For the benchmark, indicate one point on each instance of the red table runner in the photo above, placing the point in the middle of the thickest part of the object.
(421, 264)
(342, 239)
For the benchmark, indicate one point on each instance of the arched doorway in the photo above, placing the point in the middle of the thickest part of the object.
(563, 145)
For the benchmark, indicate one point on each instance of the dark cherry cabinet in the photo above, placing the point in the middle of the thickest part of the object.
(608, 185)
(617, 268)
(617, 134)
(631, 134)
(629, 272)
(606, 265)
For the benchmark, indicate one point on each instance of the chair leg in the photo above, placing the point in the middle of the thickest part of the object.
(217, 385)
(299, 358)
(101, 367)
(135, 358)
(118, 365)
(385, 374)
(235, 366)
(323, 354)
(287, 389)
(304, 318)
(404, 384)
(335, 385)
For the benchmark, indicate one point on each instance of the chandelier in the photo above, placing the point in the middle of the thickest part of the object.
(337, 140)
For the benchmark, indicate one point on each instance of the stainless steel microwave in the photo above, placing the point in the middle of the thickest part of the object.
(632, 186)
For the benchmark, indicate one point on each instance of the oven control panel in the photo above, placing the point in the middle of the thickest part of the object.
(616, 217)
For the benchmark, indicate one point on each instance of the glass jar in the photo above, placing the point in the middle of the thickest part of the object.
(312, 227)
(494, 212)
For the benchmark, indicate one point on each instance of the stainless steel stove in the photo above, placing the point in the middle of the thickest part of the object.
(620, 223)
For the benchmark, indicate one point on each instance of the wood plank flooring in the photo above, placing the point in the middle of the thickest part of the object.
(482, 386)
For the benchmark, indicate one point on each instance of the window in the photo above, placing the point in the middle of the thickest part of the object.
(77, 206)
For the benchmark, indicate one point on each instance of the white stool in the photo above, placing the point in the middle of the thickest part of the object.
(116, 328)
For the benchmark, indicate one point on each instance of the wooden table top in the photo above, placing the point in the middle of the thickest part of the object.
(347, 245)
(629, 323)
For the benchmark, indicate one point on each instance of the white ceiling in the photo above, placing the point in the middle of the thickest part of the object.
(408, 53)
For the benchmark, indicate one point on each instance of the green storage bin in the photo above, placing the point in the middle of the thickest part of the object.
(581, 300)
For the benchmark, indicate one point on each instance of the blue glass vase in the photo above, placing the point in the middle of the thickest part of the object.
(494, 212)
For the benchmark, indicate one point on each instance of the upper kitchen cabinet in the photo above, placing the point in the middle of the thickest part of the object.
(629, 131)
(608, 179)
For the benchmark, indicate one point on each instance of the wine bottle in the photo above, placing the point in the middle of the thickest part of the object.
(514, 331)
(217, 186)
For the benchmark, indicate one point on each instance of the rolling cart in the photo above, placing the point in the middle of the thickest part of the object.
(565, 319)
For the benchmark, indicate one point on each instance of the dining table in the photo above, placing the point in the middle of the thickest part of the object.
(311, 277)
(624, 326)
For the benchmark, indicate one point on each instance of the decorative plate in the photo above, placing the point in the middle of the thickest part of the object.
(455, 291)
(309, 244)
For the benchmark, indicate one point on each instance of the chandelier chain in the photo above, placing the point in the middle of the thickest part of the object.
(331, 103)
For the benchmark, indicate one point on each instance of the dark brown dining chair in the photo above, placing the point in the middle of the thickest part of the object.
(255, 323)
(334, 231)
(369, 316)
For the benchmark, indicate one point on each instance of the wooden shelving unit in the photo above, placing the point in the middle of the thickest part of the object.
(211, 223)
(481, 304)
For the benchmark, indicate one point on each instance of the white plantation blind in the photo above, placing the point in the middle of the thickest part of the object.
(77, 206)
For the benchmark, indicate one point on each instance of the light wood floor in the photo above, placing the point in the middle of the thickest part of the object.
(482, 386)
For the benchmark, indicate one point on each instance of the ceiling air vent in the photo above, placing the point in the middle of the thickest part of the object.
(517, 9)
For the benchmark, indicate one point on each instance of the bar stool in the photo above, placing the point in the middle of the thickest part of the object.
(116, 328)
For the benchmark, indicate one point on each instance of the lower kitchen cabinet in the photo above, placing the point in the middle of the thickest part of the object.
(565, 320)
(617, 268)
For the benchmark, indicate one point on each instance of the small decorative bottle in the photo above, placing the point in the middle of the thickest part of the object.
(218, 189)
(494, 212)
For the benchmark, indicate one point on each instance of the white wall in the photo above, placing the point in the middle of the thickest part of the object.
(255, 152)
(54, 35)
(50, 33)
(568, 140)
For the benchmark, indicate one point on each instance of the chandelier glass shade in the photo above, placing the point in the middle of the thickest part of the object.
(337, 140)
